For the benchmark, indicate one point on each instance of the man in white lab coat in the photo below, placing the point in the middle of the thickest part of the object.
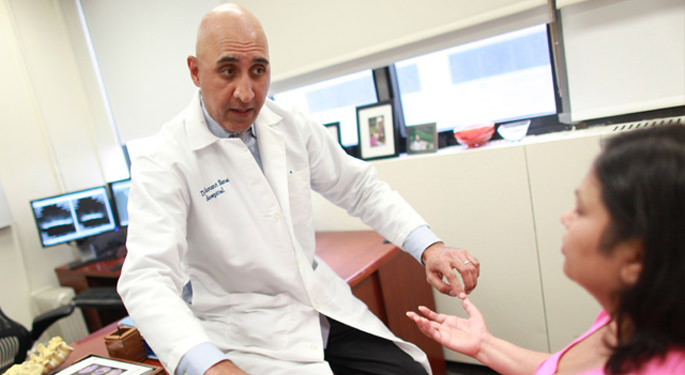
(221, 275)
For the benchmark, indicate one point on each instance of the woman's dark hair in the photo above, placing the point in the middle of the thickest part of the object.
(642, 179)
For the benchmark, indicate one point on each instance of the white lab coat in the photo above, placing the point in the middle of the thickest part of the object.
(202, 210)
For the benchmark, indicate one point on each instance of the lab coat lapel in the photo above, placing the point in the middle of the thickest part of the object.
(271, 142)
(198, 133)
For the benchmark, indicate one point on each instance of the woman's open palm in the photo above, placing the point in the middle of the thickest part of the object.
(462, 335)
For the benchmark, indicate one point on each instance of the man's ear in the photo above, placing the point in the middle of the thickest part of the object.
(194, 70)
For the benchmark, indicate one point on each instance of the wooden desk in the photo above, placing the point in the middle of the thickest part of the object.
(390, 281)
(387, 279)
(94, 344)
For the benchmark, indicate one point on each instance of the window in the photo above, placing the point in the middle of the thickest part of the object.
(334, 100)
(498, 79)
(502, 78)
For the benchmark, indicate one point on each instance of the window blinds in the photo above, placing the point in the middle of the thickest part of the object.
(141, 46)
(624, 56)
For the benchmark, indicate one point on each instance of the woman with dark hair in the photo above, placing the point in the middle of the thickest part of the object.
(625, 244)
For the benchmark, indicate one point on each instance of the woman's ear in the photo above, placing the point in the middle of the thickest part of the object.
(632, 261)
(630, 273)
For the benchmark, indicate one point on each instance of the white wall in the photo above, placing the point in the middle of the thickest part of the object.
(26, 169)
(57, 136)
(50, 142)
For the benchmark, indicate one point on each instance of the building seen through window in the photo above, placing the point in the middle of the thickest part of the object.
(502, 78)
(498, 79)
(334, 100)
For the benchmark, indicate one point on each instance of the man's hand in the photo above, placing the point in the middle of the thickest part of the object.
(440, 262)
(225, 368)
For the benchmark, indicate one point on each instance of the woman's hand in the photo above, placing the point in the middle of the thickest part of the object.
(465, 336)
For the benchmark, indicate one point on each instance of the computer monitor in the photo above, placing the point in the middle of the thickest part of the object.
(119, 191)
(73, 216)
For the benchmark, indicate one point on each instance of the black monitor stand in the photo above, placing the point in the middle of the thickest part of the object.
(101, 247)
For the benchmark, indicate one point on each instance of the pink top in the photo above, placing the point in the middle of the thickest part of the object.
(673, 363)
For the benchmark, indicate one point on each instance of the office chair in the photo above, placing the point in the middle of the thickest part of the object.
(16, 340)
(99, 297)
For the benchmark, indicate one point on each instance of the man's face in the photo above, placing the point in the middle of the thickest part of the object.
(233, 73)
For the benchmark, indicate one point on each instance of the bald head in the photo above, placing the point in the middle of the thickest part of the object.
(229, 20)
(231, 66)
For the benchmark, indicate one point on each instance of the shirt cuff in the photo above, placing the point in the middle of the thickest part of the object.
(199, 359)
(418, 241)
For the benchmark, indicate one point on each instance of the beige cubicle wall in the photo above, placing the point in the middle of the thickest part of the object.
(502, 202)
(555, 169)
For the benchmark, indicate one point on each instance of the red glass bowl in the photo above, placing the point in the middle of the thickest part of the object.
(474, 136)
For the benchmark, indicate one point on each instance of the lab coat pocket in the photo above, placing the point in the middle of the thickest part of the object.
(299, 190)
(259, 320)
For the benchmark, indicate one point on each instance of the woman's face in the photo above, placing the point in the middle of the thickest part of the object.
(597, 270)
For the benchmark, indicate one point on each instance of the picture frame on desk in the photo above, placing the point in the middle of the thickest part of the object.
(377, 135)
(422, 138)
(94, 364)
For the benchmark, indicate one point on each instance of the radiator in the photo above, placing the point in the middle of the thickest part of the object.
(70, 328)
(677, 120)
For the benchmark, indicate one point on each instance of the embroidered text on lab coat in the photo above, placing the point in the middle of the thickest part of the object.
(214, 190)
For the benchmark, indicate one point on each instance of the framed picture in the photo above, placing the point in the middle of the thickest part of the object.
(376, 125)
(422, 138)
(94, 364)
(334, 129)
